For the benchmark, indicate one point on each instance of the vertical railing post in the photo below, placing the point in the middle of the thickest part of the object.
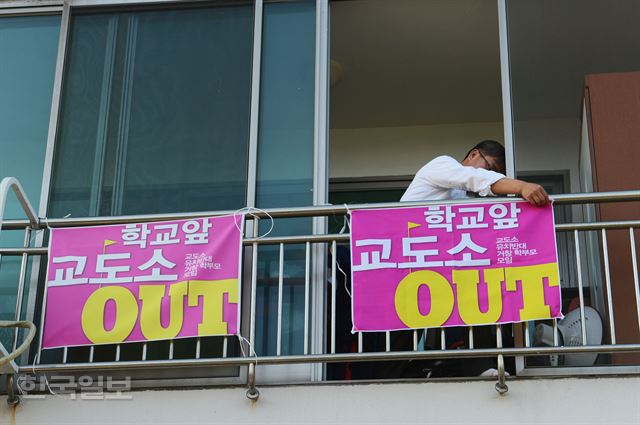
(21, 282)
(252, 391)
(501, 385)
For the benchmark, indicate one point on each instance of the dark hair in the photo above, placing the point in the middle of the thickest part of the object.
(493, 149)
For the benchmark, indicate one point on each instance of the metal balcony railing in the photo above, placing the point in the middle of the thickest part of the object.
(585, 258)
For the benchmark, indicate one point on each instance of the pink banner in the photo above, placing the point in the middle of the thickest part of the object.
(143, 282)
(452, 265)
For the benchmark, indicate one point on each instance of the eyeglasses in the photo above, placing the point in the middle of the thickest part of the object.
(489, 166)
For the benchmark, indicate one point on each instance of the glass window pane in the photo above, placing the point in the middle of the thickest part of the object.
(285, 165)
(155, 112)
(286, 106)
(410, 80)
(28, 48)
(554, 45)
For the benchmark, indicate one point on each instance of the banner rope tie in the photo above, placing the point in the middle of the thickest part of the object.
(248, 211)
(242, 339)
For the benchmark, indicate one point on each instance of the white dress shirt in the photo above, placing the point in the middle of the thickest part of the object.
(446, 178)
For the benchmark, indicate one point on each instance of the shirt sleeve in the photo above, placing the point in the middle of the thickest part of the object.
(447, 173)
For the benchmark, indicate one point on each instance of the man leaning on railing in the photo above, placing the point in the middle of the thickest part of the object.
(482, 172)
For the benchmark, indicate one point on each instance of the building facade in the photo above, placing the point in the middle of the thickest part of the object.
(294, 111)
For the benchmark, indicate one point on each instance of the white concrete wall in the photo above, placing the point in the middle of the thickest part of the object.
(541, 401)
(549, 145)
(393, 151)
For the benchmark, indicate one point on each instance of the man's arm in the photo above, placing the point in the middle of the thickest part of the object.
(447, 173)
(534, 193)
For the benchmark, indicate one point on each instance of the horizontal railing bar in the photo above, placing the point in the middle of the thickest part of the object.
(85, 3)
(20, 251)
(30, 10)
(101, 3)
(330, 358)
(597, 225)
(345, 237)
(577, 371)
(30, 4)
(314, 211)
(123, 219)
(568, 198)
(339, 237)
(596, 197)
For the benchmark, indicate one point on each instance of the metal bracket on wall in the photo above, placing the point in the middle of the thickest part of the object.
(7, 364)
(252, 392)
(501, 386)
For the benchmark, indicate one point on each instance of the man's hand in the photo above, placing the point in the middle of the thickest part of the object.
(534, 194)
